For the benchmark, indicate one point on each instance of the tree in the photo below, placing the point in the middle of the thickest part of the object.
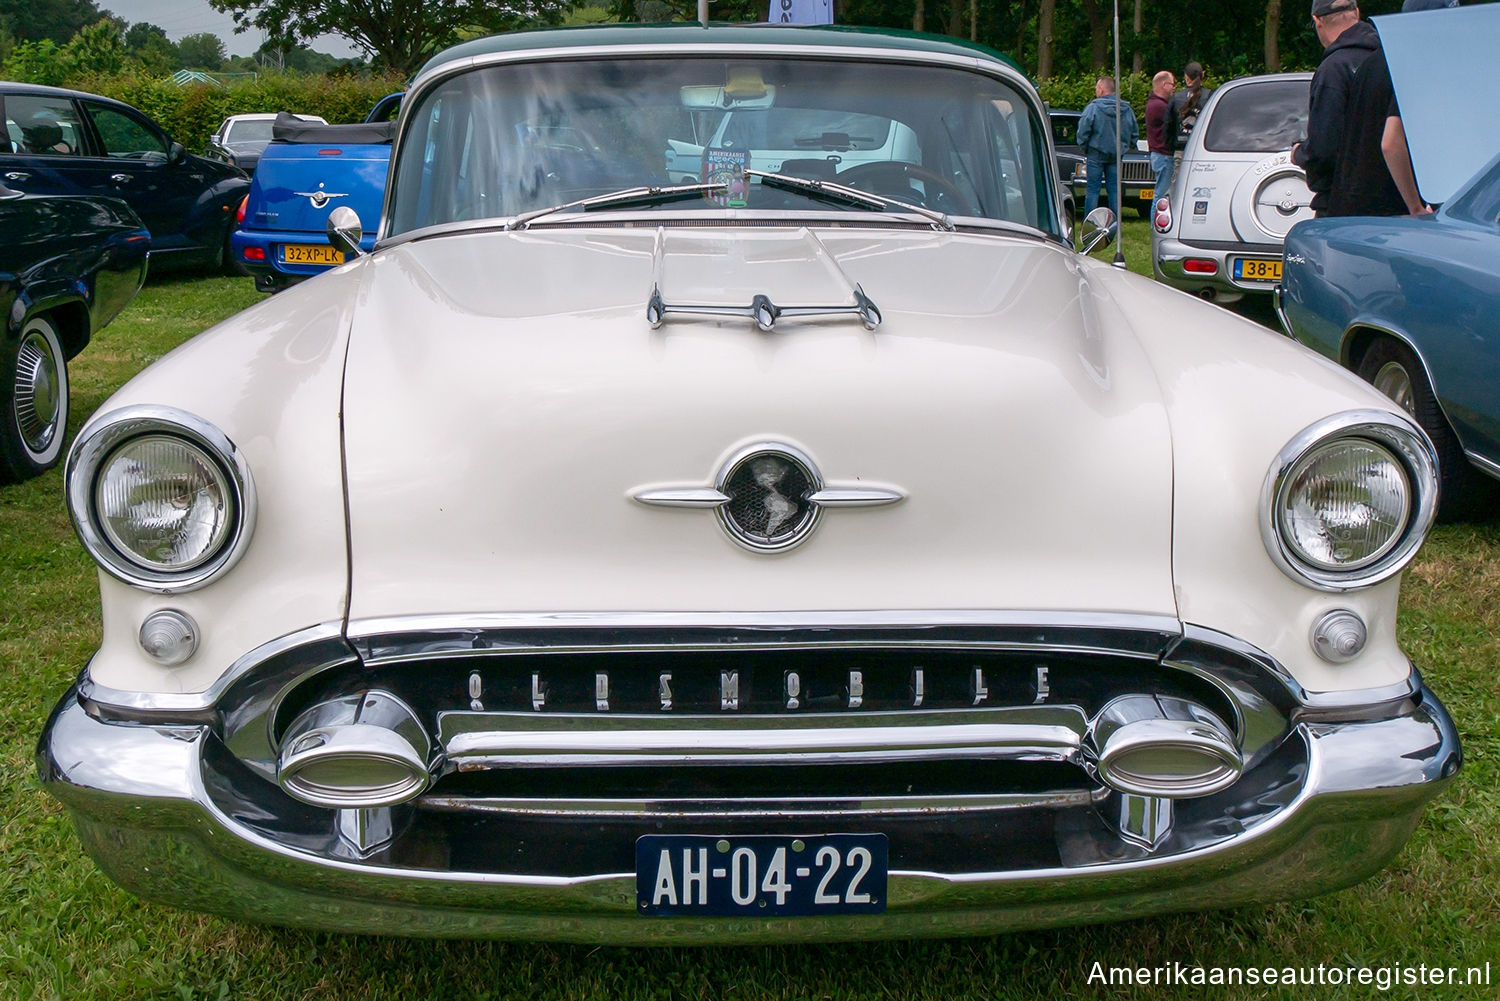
(58, 20)
(1273, 31)
(399, 34)
(203, 51)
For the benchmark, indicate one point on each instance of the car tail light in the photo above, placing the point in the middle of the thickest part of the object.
(255, 254)
(1162, 218)
(239, 215)
(1200, 266)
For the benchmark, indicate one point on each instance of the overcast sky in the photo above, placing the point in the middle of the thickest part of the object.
(191, 17)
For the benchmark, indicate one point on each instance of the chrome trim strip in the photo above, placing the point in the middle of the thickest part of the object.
(762, 310)
(796, 807)
(1415, 452)
(1484, 465)
(1313, 704)
(695, 497)
(386, 640)
(503, 740)
(99, 440)
(104, 697)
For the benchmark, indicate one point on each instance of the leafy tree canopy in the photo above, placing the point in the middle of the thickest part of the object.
(400, 35)
(202, 51)
(58, 20)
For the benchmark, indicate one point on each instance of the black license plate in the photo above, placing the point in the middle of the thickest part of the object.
(761, 875)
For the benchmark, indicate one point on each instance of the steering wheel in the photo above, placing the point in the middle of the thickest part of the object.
(882, 177)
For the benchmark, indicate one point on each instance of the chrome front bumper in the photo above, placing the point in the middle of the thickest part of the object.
(156, 806)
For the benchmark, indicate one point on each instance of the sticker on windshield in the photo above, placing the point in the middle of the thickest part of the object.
(727, 166)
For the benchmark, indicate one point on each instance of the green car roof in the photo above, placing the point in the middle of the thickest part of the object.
(690, 32)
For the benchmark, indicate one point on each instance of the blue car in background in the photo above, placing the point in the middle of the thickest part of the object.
(1410, 303)
(306, 172)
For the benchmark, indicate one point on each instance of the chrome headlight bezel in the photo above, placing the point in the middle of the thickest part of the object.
(101, 440)
(1407, 443)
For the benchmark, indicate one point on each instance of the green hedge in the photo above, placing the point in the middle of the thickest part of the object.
(190, 114)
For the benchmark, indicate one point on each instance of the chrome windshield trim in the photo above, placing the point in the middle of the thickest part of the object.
(807, 219)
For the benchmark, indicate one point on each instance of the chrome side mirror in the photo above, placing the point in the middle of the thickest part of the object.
(1097, 228)
(345, 230)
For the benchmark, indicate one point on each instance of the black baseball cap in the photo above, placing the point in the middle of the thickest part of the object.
(1322, 8)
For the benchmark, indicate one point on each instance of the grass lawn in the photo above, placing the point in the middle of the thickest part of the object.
(67, 932)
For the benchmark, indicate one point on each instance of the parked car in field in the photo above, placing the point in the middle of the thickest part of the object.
(67, 267)
(240, 139)
(1409, 302)
(64, 142)
(1236, 193)
(767, 557)
(305, 173)
(1137, 179)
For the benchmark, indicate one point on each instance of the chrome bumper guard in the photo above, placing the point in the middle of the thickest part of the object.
(164, 811)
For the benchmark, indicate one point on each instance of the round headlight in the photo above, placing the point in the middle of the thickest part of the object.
(1349, 501)
(163, 503)
(161, 499)
(1344, 504)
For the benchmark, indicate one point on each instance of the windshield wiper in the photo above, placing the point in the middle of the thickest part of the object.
(625, 197)
(844, 195)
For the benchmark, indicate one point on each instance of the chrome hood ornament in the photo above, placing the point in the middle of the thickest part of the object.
(768, 496)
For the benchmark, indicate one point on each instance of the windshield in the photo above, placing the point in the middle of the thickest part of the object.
(499, 141)
(251, 130)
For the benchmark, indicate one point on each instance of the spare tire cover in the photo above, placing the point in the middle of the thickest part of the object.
(1269, 200)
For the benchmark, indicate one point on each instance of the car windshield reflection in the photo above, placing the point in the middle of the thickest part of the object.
(506, 140)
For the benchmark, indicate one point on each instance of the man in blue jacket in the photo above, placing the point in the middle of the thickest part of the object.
(1096, 134)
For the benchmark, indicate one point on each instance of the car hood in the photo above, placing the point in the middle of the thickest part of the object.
(1450, 118)
(506, 400)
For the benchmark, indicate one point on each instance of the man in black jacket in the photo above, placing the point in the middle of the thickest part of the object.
(1347, 42)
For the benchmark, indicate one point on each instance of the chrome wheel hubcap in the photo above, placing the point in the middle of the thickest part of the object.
(38, 393)
(1394, 381)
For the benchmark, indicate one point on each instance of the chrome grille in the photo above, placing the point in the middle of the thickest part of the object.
(1138, 171)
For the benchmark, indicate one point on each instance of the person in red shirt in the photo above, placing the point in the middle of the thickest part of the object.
(1157, 140)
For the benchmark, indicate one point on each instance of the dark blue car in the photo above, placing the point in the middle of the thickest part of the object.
(64, 142)
(68, 265)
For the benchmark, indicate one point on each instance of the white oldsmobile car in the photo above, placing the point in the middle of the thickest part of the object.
(602, 560)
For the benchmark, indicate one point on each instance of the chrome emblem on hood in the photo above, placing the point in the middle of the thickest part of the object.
(768, 497)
